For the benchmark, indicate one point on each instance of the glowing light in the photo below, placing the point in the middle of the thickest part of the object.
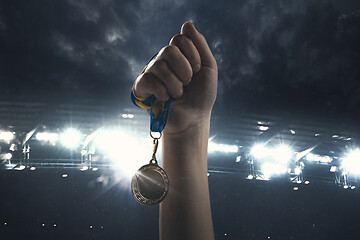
(84, 168)
(270, 169)
(346, 186)
(6, 136)
(263, 128)
(95, 169)
(5, 156)
(333, 169)
(307, 182)
(215, 147)
(282, 153)
(128, 115)
(351, 163)
(91, 227)
(297, 170)
(250, 177)
(299, 181)
(64, 175)
(208, 174)
(238, 158)
(352, 187)
(318, 158)
(296, 188)
(292, 132)
(126, 150)
(13, 147)
(33, 168)
(47, 137)
(5, 223)
(259, 151)
(71, 138)
(54, 225)
(20, 167)
(43, 225)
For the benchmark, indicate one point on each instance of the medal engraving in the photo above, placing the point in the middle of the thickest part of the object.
(150, 184)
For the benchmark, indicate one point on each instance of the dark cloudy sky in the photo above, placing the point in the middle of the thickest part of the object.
(282, 54)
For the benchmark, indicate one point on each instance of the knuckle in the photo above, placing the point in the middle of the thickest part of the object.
(178, 93)
(160, 64)
(145, 77)
(179, 40)
(170, 50)
(188, 73)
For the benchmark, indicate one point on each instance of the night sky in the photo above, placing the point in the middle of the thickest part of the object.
(299, 57)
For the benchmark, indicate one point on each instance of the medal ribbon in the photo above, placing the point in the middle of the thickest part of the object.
(159, 114)
(159, 110)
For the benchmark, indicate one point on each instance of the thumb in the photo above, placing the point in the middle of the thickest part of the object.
(207, 58)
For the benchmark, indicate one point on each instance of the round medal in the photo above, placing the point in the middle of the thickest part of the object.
(150, 184)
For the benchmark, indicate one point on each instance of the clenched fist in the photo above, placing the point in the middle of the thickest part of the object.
(186, 71)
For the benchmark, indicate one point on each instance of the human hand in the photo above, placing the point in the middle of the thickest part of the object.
(187, 71)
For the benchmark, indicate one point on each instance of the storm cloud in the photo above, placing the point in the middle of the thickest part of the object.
(283, 54)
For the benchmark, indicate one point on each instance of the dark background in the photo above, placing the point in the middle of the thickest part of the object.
(281, 57)
(242, 209)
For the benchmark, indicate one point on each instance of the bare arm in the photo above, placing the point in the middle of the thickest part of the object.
(185, 213)
(185, 70)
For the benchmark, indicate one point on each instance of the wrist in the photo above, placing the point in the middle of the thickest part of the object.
(199, 128)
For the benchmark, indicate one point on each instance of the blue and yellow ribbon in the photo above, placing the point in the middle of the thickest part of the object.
(159, 110)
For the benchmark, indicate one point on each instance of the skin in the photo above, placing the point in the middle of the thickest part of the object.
(185, 70)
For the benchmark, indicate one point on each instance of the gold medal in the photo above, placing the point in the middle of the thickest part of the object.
(150, 184)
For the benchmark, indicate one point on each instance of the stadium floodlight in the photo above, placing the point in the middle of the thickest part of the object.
(47, 137)
(297, 171)
(250, 176)
(5, 156)
(6, 136)
(318, 158)
(71, 138)
(126, 150)
(263, 128)
(282, 154)
(19, 167)
(333, 169)
(129, 115)
(259, 151)
(215, 147)
(270, 169)
(351, 163)
(84, 168)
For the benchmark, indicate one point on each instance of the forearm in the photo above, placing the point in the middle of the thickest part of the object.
(185, 213)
